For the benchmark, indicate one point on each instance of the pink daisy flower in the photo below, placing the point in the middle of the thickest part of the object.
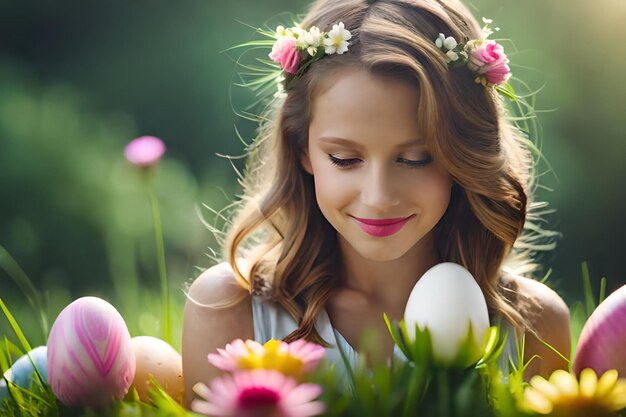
(235, 354)
(144, 151)
(292, 359)
(257, 393)
(309, 353)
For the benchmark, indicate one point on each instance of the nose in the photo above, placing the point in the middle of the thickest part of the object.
(379, 190)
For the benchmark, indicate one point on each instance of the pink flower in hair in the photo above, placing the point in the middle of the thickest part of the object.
(257, 393)
(285, 53)
(488, 58)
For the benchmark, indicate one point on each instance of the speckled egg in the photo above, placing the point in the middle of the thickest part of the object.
(21, 373)
(90, 357)
(157, 358)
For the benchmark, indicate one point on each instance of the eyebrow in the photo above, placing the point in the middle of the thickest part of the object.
(348, 142)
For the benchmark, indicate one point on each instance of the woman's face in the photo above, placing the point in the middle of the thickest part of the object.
(375, 180)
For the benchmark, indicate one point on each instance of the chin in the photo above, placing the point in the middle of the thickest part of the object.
(380, 253)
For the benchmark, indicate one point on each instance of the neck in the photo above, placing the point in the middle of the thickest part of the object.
(387, 283)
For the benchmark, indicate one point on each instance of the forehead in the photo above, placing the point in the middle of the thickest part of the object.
(357, 104)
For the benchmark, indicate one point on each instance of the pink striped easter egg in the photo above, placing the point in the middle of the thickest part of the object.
(91, 362)
(603, 338)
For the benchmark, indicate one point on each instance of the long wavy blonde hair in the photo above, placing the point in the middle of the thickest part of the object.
(291, 252)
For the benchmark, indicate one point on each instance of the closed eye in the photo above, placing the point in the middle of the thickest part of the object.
(348, 162)
(343, 163)
(416, 163)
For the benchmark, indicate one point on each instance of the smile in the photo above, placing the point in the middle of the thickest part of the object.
(382, 227)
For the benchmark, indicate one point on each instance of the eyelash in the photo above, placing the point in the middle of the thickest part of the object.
(347, 163)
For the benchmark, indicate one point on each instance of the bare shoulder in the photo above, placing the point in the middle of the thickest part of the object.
(550, 319)
(552, 309)
(215, 286)
(217, 311)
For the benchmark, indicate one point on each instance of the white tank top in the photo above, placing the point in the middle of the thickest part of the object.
(271, 321)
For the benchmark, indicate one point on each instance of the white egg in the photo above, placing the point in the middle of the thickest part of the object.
(446, 299)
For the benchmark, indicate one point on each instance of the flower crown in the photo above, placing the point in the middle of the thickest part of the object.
(484, 57)
(296, 49)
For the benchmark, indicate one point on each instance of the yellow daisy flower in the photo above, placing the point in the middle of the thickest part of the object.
(565, 395)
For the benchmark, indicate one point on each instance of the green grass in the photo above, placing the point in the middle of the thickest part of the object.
(380, 390)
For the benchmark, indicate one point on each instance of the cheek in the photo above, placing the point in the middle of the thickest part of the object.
(331, 189)
(334, 189)
(433, 190)
(441, 191)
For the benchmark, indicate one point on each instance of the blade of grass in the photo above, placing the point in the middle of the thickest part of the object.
(16, 328)
(17, 274)
(589, 302)
(602, 294)
(160, 249)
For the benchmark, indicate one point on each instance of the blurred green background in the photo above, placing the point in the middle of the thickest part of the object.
(78, 80)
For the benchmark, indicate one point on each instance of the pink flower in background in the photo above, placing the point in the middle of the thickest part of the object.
(257, 393)
(145, 151)
(286, 54)
(488, 58)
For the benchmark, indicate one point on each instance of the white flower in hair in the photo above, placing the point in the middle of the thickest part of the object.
(452, 56)
(299, 35)
(337, 41)
(312, 39)
(281, 31)
(447, 45)
(296, 31)
(450, 43)
(439, 40)
(486, 29)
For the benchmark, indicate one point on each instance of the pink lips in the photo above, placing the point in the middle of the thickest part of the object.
(382, 227)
